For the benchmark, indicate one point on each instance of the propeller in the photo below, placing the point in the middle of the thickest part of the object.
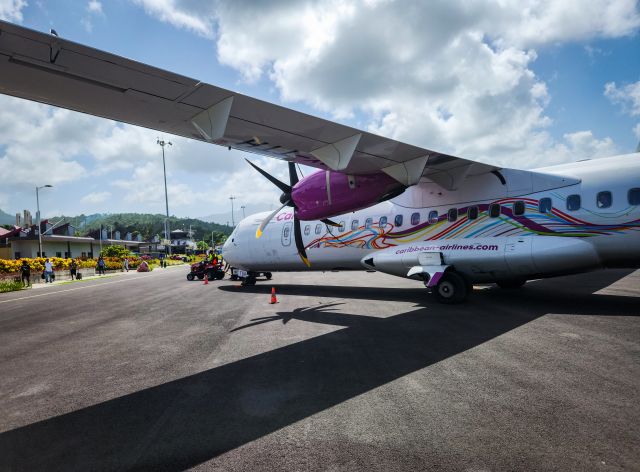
(286, 200)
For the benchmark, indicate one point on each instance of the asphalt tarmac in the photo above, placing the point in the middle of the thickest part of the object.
(349, 371)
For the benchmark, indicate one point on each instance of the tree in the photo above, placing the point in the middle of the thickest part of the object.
(115, 251)
(202, 245)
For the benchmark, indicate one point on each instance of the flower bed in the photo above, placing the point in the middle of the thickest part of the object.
(10, 266)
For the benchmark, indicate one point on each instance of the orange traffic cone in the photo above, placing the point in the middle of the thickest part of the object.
(273, 296)
(206, 279)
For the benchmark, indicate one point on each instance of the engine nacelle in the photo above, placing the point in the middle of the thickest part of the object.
(324, 194)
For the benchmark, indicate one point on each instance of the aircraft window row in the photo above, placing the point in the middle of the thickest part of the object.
(634, 196)
(472, 213)
(354, 225)
(494, 210)
(383, 222)
(342, 227)
(452, 215)
(398, 220)
(604, 199)
(415, 218)
(307, 230)
(318, 228)
(433, 217)
(573, 202)
(368, 223)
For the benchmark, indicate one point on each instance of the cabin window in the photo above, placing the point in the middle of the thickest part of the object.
(354, 225)
(307, 230)
(368, 223)
(318, 228)
(398, 220)
(545, 205)
(494, 210)
(573, 202)
(518, 208)
(342, 226)
(472, 213)
(433, 216)
(634, 196)
(286, 234)
(415, 218)
(452, 215)
(604, 199)
(383, 222)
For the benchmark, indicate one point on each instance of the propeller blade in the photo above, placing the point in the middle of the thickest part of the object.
(293, 175)
(281, 185)
(265, 222)
(297, 234)
(328, 222)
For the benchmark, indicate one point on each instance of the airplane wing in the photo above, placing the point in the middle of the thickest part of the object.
(48, 69)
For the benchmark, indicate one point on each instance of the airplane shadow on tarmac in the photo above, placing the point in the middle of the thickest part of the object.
(188, 421)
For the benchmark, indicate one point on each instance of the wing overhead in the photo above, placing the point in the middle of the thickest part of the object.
(48, 69)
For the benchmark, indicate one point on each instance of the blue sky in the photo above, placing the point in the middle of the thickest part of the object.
(486, 81)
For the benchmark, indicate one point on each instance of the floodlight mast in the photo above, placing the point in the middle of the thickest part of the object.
(164, 143)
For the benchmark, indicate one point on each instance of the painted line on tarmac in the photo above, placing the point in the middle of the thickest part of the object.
(73, 289)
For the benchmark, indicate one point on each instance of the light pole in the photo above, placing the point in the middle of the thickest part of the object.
(39, 224)
(243, 215)
(163, 143)
(232, 198)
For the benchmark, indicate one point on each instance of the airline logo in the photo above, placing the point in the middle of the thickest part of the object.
(450, 247)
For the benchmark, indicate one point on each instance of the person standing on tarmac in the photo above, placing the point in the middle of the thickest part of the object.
(125, 264)
(73, 269)
(48, 271)
(25, 273)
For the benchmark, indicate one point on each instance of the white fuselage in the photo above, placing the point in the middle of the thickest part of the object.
(550, 237)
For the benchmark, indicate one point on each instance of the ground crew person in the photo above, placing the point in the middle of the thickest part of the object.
(25, 271)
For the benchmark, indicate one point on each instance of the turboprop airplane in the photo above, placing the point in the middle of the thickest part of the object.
(375, 203)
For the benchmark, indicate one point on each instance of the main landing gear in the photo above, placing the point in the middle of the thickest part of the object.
(452, 288)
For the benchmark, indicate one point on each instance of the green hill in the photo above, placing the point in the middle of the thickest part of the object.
(6, 218)
(147, 224)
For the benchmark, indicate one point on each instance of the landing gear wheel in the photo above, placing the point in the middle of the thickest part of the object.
(268, 275)
(511, 284)
(189, 277)
(220, 275)
(249, 281)
(451, 289)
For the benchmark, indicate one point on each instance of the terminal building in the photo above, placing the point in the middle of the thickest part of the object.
(60, 241)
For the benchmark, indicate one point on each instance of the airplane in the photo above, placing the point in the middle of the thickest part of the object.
(374, 203)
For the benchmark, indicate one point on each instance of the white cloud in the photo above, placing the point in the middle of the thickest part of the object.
(11, 10)
(94, 7)
(453, 76)
(173, 12)
(96, 197)
(628, 96)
